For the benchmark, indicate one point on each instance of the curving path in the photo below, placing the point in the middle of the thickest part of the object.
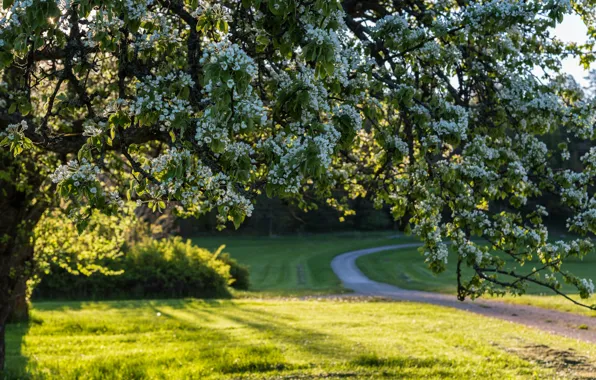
(551, 321)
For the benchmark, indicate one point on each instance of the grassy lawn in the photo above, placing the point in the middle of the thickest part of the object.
(282, 339)
(294, 265)
(272, 338)
(405, 268)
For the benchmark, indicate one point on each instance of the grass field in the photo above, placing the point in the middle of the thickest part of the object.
(261, 336)
(405, 268)
(255, 339)
(295, 265)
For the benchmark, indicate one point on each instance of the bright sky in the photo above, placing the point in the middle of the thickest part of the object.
(573, 29)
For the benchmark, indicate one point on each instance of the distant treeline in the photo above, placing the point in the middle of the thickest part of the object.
(278, 217)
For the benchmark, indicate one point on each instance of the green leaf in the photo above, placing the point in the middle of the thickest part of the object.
(222, 25)
(262, 43)
(25, 108)
(17, 149)
(237, 218)
(5, 59)
(269, 190)
(7, 3)
(82, 226)
(329, 68)
(185, 94)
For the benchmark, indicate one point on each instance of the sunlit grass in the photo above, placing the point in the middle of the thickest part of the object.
(267, 338)
(554, 302)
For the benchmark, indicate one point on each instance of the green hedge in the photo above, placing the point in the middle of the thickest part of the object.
(167, 268)
(239, 272)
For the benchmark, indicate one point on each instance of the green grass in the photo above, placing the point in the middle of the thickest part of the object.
(300, 266)
(273, 339)
(406, 269)
(554, 302)
(294, 265)
(290, 338)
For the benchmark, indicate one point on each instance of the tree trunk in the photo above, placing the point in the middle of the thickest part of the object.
(19, 311)
(4, 313)
(20, 210)
(21, 207)
(16, 267)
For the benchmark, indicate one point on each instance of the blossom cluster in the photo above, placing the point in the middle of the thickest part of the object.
(15, 131)
(79, 174)
(93, 129)
(14, 137)
(235, 109)
(587, 285)
(164, 29)
(100, 23)
(136, 9)
(197, 185)
(157, 102)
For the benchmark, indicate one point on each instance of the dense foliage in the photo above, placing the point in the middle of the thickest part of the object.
(57, 243)
(167, 268)
(437, 109)
(276, 217)
(240, 274)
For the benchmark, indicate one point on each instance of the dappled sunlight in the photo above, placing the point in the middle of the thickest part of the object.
(213, 339)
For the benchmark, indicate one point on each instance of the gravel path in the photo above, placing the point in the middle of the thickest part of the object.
(566, 324)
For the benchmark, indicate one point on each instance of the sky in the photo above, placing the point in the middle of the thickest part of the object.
(573, 29)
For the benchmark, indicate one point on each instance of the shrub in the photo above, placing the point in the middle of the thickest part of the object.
(239, 272)
(167, 268)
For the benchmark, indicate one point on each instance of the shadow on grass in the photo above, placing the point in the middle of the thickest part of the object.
(233, 357)
(375, 361)
(16, 362)
(218, 337)
(279, 329)
(273, 331)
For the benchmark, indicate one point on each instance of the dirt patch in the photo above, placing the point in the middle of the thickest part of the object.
(567, 363)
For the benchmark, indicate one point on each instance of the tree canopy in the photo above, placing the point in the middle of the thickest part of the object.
(439, 109)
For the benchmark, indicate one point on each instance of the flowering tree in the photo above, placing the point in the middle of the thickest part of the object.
(436, 108)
